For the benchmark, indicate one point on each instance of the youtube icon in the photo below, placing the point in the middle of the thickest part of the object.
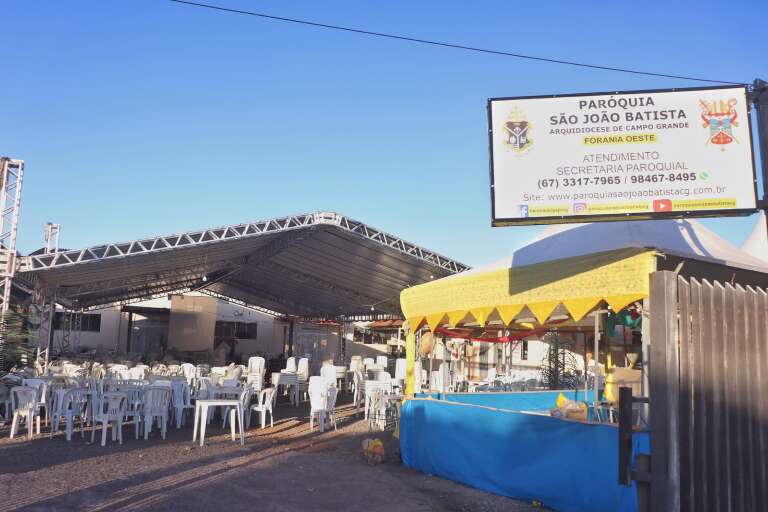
(662, 205)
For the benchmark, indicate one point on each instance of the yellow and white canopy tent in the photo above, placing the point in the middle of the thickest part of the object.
(570, 270)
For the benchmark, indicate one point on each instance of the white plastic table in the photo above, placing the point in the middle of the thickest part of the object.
(287, 379)
(201, 416)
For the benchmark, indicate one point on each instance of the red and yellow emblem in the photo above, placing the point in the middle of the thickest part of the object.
(720, 117)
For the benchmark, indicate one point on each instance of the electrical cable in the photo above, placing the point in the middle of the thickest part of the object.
(448, 45)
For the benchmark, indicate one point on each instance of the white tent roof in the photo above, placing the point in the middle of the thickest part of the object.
(684, 238)
(756, 243)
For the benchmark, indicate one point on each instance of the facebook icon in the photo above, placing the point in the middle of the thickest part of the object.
(523, 210)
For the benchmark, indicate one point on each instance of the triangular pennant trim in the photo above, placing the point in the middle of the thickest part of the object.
(508, 313)
(481, 315)
(578, 308)
(619, 302)
(542, 310)
(455, 317)
(433, 321)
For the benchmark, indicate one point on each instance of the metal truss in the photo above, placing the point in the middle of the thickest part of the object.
(373, 317)
(239, 290)
(52, 236)
(146, 281)
(394, 242)
(11, 176)
(142, 294)
(321, 284)
(242, 303)
(47, 309)
(182, 279)
(72, 326)
(238, 231)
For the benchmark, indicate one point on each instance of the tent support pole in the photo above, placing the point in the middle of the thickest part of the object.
(586, 363)
(645, 336)
(596, 357)
(410, 358)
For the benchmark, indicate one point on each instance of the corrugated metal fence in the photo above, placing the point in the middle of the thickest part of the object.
(709, 386)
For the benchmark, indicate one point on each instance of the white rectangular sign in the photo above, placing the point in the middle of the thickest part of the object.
(625, 155)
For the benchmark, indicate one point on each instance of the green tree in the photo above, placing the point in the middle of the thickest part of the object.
(559, 366)
(14, 345)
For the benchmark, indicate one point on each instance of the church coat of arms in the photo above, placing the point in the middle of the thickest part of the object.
(517, 129)
(719, 117)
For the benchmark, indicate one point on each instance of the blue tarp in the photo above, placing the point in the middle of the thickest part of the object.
(567, 465)
(515, 401)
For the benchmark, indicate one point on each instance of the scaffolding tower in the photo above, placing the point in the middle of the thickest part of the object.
(52, 235)
(11, 176)
(71, 327)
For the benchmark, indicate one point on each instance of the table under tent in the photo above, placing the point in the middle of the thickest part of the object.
(571, 277)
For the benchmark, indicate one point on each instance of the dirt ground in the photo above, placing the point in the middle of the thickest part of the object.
(284, 468)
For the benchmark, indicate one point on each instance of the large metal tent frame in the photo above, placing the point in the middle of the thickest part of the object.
(315, 265)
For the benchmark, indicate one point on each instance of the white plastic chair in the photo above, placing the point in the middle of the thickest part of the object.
(137, 373)
(43, 397)
(302, 373)
(230, 383)
(264, 405)
(202, 370)
(418, 377)
(110, 411)
(368, 362)
(245, 405)
(255, 374)
(189, 371)
(181, 401)
(255, 380)
(24, 404)
(328, 373)
(400, 372)
(159, 369)
(318, 401)
(332, 392)
(134, 396)
(234, 372)
(358, 384)
(203, 390)
(290, 364)
(355, 362)
(72, 405)
(382, 361)
(256, 364)
(303, 369)
(217, 373)
(156, 402)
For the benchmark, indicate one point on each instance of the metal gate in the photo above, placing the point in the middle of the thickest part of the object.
(709, 409)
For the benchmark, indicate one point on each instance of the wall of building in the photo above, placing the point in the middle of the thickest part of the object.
(113, 328)
(192, 322)
(190, 327)
(483, 356)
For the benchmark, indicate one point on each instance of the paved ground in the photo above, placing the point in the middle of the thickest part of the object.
(284, 468)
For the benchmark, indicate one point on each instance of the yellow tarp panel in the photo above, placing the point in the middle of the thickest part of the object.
(580, 283)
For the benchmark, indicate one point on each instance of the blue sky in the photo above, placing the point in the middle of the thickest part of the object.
(143, 117)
